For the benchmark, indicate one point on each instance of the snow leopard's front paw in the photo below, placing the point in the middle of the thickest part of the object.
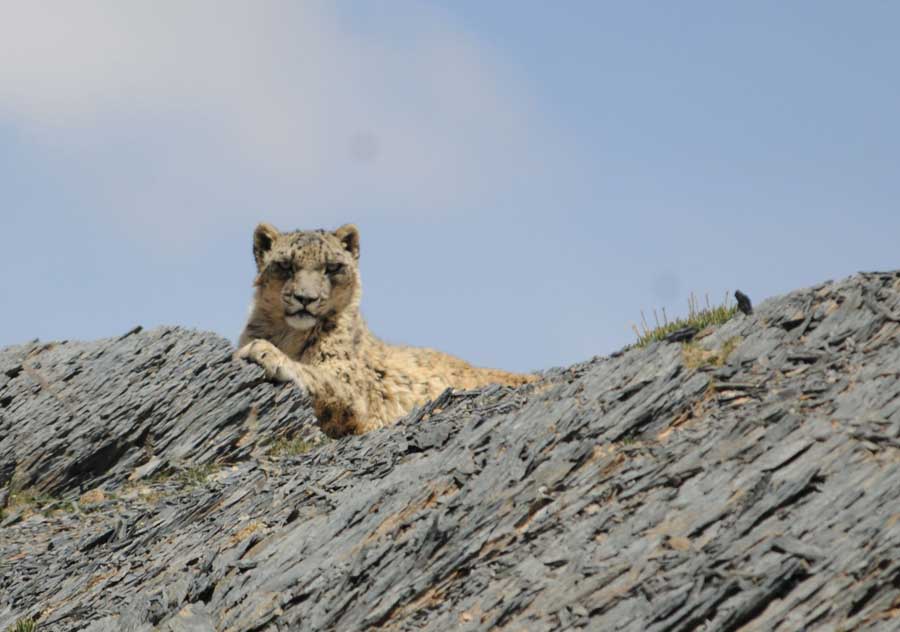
(272, 359)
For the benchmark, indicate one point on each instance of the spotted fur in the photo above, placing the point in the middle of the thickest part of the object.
(305, 326)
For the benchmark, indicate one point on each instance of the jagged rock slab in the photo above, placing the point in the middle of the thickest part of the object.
(78, 415)
(668, 488)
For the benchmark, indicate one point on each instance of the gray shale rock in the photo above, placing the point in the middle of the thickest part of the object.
(663, 489)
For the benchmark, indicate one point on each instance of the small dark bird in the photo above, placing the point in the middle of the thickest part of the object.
(743, 301)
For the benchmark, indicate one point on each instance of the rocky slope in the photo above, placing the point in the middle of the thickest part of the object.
(747, 480)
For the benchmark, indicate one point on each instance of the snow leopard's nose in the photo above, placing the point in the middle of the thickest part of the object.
(305, 300)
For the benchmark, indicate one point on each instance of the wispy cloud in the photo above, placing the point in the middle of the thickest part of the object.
(204, 111)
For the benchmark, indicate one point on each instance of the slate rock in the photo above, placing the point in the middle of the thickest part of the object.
(623, 493)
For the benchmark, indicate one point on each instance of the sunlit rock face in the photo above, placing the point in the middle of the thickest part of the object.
(747, 478)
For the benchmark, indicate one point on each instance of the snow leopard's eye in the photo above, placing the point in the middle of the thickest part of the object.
(283, 268)
(334, 268)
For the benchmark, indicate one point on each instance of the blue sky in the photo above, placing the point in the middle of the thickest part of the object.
(526, 176)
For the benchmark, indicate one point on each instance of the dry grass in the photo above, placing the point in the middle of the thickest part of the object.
(29, 501)
(195, 476)
(283, 446)
(694, 356)
(699, 317)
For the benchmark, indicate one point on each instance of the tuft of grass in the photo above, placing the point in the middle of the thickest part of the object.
(727, 347)
(195, 476)
(694, 356)
(23, 625)
(699, 317)
(182, 476)
(37, 502)
(290, 447)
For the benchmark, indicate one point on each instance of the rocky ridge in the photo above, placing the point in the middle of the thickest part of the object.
(749, 479)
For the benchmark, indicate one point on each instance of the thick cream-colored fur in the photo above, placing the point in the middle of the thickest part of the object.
(305, 326)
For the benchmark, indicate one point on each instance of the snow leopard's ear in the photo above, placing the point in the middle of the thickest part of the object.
(263, 238)
(349, 236)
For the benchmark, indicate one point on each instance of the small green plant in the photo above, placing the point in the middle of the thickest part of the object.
(290, 447)
(195, 476)
(23, 625)
(38, 502)
(698, 317)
